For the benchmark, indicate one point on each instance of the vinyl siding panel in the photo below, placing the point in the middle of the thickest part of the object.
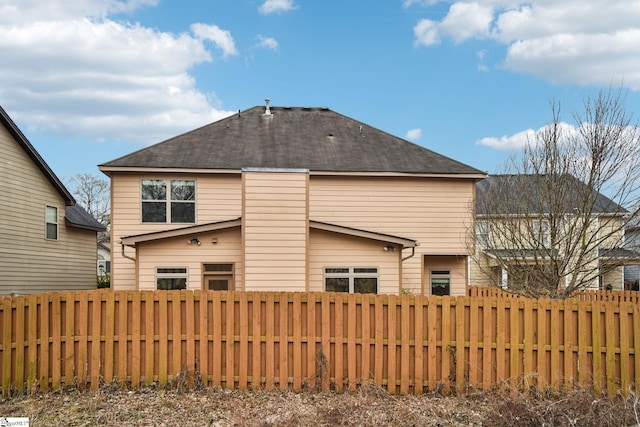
(28, 262)
(435, 212)
(335, 250)
(275, 210)
(176, 252)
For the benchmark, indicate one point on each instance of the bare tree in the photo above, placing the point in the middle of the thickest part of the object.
(553, 223)
(92, 193)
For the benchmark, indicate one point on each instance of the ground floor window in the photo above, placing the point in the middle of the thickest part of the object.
(169, 278)
(354, 280)
(217, 277)
(440, 282)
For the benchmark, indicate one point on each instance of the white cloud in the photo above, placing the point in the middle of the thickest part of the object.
(276, 6)
(221, 38)
(74, 75)
(409, 3)
(569, 41)
(519, 140)
(267, 43)
(426, 32)
(464, 21)
(414, 134)
(516, 141)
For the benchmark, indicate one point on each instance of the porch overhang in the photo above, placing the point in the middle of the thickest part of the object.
(180, 232)
(619, 255)
(133, 240)
(371, 235)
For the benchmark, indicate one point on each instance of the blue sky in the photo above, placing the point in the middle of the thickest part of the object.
(91, 80)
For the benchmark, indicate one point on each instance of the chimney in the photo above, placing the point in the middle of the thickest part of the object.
(267, 111)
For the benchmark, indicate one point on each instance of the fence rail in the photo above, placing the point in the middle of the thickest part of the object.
(249, 340)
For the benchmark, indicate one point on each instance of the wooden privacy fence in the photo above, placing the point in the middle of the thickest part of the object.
(249, 340)
(584, 295)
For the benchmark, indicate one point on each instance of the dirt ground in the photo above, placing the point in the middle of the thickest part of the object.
(369, 406)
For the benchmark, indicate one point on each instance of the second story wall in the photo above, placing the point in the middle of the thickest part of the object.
(218, 197)
(434, 211)
(275, 230)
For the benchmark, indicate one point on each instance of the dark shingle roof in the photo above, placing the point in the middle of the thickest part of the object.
(77, 217)
(523, 189)
(317, 139)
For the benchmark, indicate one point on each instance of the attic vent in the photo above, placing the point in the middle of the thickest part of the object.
(267, 111)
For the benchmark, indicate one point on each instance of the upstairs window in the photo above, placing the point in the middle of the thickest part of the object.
(482, 233)
(168, 201)
(51, 218)
(541, 233)
(353, 280)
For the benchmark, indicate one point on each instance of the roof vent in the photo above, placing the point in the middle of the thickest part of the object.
(267, 111)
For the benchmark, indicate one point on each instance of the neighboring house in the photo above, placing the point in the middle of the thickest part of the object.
(47, 242)
(632, 243)
(104, 257)
(502, 258)
(290, 199)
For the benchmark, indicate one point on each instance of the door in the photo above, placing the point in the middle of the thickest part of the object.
(217, 277)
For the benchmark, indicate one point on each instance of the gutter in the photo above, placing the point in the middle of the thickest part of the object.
(124, 255)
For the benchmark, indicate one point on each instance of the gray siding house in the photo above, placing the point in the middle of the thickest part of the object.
(47, 241)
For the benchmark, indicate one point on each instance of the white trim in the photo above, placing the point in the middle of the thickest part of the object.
(46, 222)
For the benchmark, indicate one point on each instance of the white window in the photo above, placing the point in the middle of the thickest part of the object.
(51, 218)
(104, 266)
(541, 234)
(440, 282)
(169, 278)
(354, 280)
(482, 232)
(168, 200)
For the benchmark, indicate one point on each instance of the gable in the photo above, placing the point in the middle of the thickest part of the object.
(23, 172)
(22, 141)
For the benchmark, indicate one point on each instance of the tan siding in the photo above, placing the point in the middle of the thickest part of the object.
(335, 250)
(176, 252)
(218, 198)
(457, 267)
(275, 210)
(436, 212)
(29, 263)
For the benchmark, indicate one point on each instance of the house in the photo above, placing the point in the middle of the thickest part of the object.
(47, 241)
(104, 258)
(632, 243)
(527, 224)
(290, 199)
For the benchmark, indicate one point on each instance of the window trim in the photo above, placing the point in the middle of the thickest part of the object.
(172, 275)
(47, 223)
(168, 201)
(351, 274)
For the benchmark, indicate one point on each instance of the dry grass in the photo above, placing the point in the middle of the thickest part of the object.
(369, 406)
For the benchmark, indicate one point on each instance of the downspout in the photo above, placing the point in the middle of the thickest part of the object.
(413, 252)
(126, 256)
